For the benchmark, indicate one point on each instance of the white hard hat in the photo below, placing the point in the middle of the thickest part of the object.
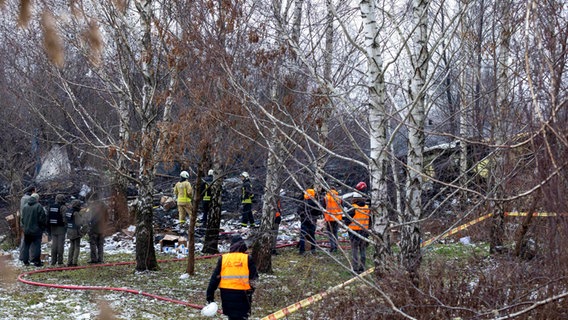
(245, 174)
(184, 174)
(210, 172)
(282, 192)
(210, 310)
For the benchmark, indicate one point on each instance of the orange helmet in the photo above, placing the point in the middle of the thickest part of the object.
(309, 194)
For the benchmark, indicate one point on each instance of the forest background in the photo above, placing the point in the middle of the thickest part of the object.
(449, 110)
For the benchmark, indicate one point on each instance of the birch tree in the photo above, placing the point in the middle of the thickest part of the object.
(411, 234)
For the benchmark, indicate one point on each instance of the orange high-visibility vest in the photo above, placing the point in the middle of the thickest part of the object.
(332, 207)
(361, 216)
(235, 271)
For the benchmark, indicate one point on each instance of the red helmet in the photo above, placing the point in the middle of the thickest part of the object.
(361, 186)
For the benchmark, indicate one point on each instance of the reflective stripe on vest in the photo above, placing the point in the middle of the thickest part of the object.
(70, 219)
(361, 216)
(246, 200)
(206, 195)
(182, 192)
(235, 271)
(54, 216)
(332, 207)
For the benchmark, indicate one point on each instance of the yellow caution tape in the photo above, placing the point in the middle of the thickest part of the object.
(317, 297)
(455, 230)
(535, 214)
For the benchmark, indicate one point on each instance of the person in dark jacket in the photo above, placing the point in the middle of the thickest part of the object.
(309, 213)
(246, 200)
(33, 222)
(234, 275)
(206, 199)
(277, 220)
(74, 233)
(97, 226)
(23, 202)
(57, 228)
(358, 224)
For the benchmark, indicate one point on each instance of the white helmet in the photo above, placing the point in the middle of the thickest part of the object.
(245, 174)
(210, 172)
(210, 309)
(184, 174)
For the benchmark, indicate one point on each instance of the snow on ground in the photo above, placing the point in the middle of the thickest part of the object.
(21, 301)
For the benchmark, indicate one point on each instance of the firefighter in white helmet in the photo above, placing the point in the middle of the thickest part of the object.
(246, 200)
(183, 192)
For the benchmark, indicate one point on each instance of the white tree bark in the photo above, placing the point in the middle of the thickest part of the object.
(378, 164)
(411, 235)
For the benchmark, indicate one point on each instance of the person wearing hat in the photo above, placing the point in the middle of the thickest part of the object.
(28, 191)
(309, 212)
(183, 192)
(98, 220)
(57, 228)
(33, 222)
(246, 200)
(234, 275)
(358, 224)
(332, 215)
(206, 199)
(74, 233)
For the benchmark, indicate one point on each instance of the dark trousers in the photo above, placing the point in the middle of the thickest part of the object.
(206, 206)
(358, 251)
(57, 244)
(74, 249)
(96, 244)
(275, 229)
(247, 217)
(33, 241)
(332, 227)
(307, 233)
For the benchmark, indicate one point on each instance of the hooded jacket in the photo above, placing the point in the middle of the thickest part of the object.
(236, 303)
(33, 219)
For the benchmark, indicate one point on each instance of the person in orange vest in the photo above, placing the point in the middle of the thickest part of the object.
(309, 212)
(234, 275)
(183, 193)
(332, 215)
(277, 220)
(358, 233)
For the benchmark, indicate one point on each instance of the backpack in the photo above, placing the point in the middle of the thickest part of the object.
(54, 216)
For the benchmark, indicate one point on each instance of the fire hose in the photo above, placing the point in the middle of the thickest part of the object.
(273, 316)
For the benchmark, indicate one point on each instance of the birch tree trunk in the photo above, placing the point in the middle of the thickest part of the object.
(502, 106)
(145, 253)
(411, 236)
(464, 102)
(323, 122)
(378, 164)
(262, 249)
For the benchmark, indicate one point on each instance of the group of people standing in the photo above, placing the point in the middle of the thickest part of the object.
(184, 194)
(235, 272)
(61, 220)
(354, 213)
